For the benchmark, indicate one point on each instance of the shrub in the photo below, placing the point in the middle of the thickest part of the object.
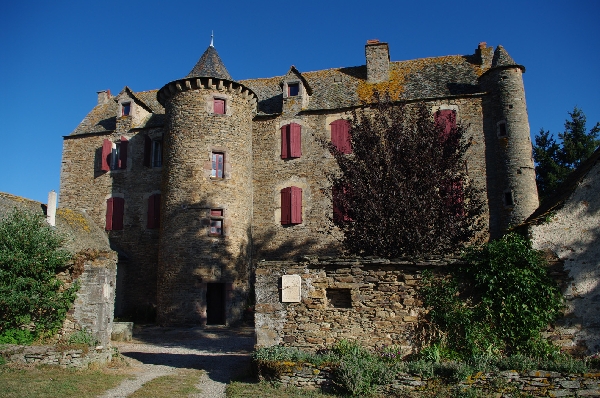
(83, 337)
(498, 302)
(33, 302)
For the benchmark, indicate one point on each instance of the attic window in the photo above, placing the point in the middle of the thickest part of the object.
(293, 89)
(125, 108)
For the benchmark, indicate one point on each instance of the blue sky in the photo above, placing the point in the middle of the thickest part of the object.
(56, 55)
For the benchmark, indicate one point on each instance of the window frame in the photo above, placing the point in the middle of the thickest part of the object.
(114, 154)
(115, 213)
(293, 86)
(340, 135)
(291, 205)
(291, 141)
(126, 109)
(153, 211)
(216, 216)
(214, 165)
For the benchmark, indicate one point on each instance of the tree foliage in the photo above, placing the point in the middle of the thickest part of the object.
(497, 303)
(33, 301)
(404, 188)
(555, 160)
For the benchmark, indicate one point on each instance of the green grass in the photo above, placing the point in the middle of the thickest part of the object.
(176, 385)
(267, 390)
(51, 382)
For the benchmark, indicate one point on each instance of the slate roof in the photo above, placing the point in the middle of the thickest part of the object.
(103, 118)
(334, 88)
(414, 79)
(210, 65)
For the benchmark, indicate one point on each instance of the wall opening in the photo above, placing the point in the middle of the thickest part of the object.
(339, 298)
(215, 304)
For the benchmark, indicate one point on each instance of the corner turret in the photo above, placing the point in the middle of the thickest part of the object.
(512, 191)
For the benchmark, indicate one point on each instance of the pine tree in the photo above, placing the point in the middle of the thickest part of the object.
(404, 190)
(554, 160)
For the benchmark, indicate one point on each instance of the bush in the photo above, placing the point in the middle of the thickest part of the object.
(498, 302)
(83, 337)
(33, 302)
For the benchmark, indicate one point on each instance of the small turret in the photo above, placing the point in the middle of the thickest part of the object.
(512, 191)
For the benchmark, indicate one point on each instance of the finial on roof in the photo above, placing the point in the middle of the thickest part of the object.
(211, 38)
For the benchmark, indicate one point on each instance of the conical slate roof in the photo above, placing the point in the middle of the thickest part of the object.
(210, 65)
(501, 58)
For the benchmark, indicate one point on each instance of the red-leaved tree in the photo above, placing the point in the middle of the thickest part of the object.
(403, 189)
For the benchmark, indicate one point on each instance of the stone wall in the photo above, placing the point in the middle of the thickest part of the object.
(536, 383)
(53, 355)
(571, 235)
(84, 187)
(373, 301)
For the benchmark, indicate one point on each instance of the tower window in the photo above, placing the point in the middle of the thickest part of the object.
(293, 89)
(509, 199)
(501, 129)
(219, 106)
(218, 165)
(125, 108)
(216, 222)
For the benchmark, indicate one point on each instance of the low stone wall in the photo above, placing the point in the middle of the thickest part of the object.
(53, 355)
(537, 383)
(373, 301)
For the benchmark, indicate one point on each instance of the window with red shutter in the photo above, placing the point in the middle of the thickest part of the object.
(219, 106)
(109, 214)
(217, 165)
(291, 206)
(114, 213)
(341, 212)
(106, 155)
(445, 120)
(340, 135)
(291, 141)
(153, 211)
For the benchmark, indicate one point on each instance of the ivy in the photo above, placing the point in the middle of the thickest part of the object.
(498, 302)
(33, 301)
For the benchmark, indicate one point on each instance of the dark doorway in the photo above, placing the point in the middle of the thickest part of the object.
(215, 304)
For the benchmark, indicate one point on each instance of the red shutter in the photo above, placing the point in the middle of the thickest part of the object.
(150, 223)
(445, 120)
(157, 210)
(286, 206)
(295, 140)
(219, 106)
(123, 153)
(340, 135)
(106, 151)
(296, 213)
(285, 141)
(147, 151)
(117, 216)
(109, 214)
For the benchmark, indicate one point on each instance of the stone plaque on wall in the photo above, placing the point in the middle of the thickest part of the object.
(290, 288)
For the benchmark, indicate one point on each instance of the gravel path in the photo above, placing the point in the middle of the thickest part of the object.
(223, 353)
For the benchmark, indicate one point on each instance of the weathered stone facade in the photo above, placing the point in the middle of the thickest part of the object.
(181, 267)
(373, 301)
(567, 226)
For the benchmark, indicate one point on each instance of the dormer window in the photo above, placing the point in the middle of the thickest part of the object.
(125, 108)
(293, 89)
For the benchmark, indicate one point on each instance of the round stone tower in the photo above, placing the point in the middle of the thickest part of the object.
(512, 191)
(206, 196)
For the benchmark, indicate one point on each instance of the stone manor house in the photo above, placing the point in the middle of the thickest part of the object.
(199, 181)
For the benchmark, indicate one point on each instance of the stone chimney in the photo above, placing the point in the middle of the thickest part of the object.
(378, 61)
(103, 97)
(51, 209)
(484, 55)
